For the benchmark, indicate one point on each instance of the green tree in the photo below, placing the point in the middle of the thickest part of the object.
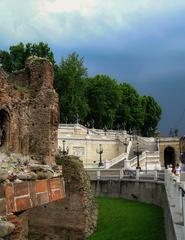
(152, 115)
(130, 108)
(15, 58)
(70, 83)
(103, 96)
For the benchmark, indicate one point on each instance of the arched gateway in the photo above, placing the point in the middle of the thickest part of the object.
(169, 156)
(4, 128)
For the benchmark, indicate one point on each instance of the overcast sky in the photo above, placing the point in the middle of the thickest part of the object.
(138, 41)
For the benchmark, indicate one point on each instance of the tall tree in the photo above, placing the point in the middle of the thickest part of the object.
(103, 96)
(130, 108)
(152, 115)
(70, 83)
(15, 58)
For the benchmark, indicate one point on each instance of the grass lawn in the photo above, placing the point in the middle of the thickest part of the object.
(128, 220)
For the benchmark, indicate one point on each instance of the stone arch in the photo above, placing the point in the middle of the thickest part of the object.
(4, 128)
(169, 156)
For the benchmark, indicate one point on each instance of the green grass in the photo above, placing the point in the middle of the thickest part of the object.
(120, 219)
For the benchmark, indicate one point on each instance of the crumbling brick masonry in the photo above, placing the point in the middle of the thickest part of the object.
(29, 114)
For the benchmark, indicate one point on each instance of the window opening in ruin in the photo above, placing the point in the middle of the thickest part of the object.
(4, 128)
(169, 156)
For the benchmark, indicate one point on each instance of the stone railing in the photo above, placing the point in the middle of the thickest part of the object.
(175, 190)
(104, 174)
(146, 140)
(146, 157)
(91, 130)
(17, 197)
(115, 160)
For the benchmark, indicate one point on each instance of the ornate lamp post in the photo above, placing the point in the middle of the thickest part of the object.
(65, 150)
(100, 152)
(137, 153)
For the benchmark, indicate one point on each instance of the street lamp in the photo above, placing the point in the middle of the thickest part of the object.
(100, 152)
(137, 153)
(65, 150)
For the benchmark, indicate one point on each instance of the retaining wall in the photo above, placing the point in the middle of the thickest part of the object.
(143, 191)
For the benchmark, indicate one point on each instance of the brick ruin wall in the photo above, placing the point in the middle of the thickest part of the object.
(29, 116)
(29, 110)
(73, 217)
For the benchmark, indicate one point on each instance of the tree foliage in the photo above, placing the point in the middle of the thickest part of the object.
(70, 83)
(130, 108)
(152, 113)
(103, 96)
(98, 99)
(15, 58)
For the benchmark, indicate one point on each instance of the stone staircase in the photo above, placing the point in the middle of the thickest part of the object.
(149, 155)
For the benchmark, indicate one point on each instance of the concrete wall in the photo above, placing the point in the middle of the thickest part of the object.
(143, 191)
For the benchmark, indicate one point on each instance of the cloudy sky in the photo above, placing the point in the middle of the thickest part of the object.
(138, 41)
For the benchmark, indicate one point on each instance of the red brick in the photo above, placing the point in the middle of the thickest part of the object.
(2, 191)
(9, 193)
(55, 183)
(42, 198)
(22, 203)
(41, 186)
(20, 188)
(2, 207)
(56, 195)
(49, 190)
(63, 188)
(32, 190)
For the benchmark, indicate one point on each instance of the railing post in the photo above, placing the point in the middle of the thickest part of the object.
(121, 173)
(180, 202)
(137, 174)
(98, 174)
(155, 175)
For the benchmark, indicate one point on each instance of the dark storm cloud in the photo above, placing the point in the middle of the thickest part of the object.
(151, 57)
(141, 42)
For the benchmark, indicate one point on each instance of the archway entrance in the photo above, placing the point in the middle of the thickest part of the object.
(169, 156)
(4, 128)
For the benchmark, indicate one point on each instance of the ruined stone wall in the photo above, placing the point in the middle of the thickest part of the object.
(71, 218)
(29, 108)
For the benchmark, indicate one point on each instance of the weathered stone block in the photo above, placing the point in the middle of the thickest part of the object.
(22, 203)
(41, 186)
(55, 183)
(6, 228)
(21, 188)
(42, 198)
(56, 195)
(32, 191)
(9, 192)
